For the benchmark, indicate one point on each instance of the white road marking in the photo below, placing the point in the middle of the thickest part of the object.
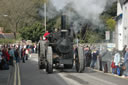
(15, 76)
(98, 79)
(68, 80)
(73, 82)
(19, 80)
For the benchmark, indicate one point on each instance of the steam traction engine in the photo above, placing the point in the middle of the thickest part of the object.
(58, 51)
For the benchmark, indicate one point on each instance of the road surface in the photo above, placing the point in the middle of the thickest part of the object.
(29, 74)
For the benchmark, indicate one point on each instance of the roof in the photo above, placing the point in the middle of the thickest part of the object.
(119, 17)
(121, 2)
(7, 35)
(125, 1)
(2, 36)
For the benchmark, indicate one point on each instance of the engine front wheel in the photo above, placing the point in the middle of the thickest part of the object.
(49, 62)
(79, 60)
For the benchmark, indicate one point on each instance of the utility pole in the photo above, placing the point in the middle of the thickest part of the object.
(45, 17)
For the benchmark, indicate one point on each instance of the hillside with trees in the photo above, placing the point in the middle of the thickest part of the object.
(23, 17)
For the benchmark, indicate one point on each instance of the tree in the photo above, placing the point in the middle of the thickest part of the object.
(19, 13)
(32, 32)
(108, 15)
(111, 24)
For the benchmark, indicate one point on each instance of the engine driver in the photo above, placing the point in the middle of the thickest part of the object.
(45, 35)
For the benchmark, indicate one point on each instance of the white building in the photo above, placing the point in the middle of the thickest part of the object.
(122, 24)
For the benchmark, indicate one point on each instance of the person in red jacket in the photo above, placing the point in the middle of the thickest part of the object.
(45, 35)
(113, 67)
(7, 54)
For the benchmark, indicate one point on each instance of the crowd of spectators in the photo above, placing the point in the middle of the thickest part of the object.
(118, 67)
(93, 54)
(11, 52)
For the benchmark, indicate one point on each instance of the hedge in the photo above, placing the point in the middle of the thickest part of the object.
(7, 41)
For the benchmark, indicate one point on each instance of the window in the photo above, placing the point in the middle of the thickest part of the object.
(125, 28)
(125, 8)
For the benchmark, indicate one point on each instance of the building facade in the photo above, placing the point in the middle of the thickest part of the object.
(122, 24)
(6, 35)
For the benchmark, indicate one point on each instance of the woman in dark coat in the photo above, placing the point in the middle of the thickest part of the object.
(17, 55)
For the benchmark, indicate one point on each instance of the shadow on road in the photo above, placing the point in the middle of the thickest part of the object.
(87, 70)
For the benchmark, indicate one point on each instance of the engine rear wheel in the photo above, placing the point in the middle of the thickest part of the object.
(79, 60)
(40, 66)
(41, 55)
(49, 66)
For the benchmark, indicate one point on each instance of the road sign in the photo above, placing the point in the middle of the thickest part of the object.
(107, 35)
